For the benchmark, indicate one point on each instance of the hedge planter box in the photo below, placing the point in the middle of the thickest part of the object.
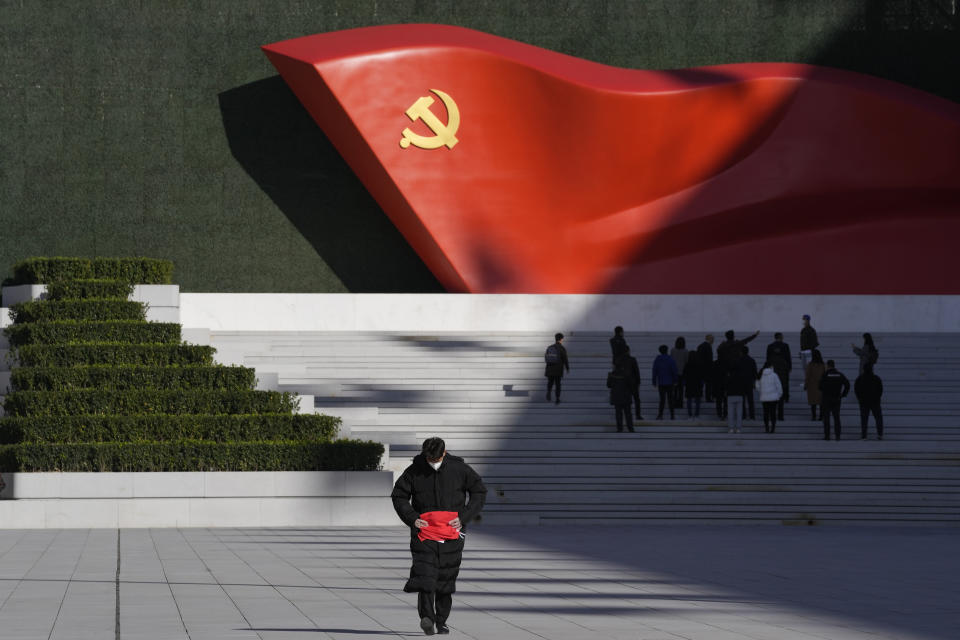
(201, 499)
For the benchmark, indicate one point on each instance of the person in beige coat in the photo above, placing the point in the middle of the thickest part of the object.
(815, 371)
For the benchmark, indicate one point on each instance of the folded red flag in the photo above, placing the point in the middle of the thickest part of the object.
(510, 168)
(438, 527)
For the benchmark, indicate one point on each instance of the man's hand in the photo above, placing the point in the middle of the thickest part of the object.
(420, 523)
(456, 524)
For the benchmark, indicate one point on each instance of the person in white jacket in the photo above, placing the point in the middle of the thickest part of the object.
(770, 391)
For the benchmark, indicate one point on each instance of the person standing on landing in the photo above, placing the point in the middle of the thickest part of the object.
(705, 354)
(556, 361)
(868, 388)
(815, 370)
(868, 354)
(618, 345)
(778, 355)
(665, 375)
(679, 353)
(808, 342)
(620, 381)
(834, 386)
(436, 496)
(771, 390)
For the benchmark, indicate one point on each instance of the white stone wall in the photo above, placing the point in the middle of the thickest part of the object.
(551, 313)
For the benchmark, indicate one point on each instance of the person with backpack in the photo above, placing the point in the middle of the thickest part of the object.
(771, 390)
(665, 375)
(834, 386)
(620, 381)
(868, 353)
(556, 361)
(868, 388)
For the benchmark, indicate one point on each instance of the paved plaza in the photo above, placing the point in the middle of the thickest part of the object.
(601, 581)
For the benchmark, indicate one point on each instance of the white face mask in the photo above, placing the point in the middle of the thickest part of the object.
(435, 465)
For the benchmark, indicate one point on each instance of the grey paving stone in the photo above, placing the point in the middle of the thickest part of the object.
(653, 583)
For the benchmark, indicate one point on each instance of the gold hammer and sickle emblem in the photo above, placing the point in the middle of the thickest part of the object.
(445, 133)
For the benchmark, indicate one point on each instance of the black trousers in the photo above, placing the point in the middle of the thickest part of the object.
(770, 414)
(622, 412)
(551, 381)
(826, 410)
(435, 606)
(666, 397)
(865, 411)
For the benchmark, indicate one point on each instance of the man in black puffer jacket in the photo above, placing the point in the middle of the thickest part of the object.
(436, 482)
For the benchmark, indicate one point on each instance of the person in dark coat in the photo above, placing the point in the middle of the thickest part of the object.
(618, 345)
(635, 380)
(620, 381)
(778, 355)
(729, 353)
(868, 354)
(868, 388)
(679, 353)
(833, 387)
(693, 375)
(705, 353)
(665, 375)
(808, 342)
(750, 365)
(556, 361)
(435, 483)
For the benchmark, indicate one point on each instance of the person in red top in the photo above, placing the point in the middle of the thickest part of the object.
(431, 497)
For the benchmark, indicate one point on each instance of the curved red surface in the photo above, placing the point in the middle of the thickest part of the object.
(573, 177)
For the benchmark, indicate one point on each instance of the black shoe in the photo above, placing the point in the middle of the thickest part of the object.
(659, 417)
(442, 628)
(427, 625)
(549, 398)
(826, 437)
(619, 430)
(557, 400)
(879, 437)
(639, 417)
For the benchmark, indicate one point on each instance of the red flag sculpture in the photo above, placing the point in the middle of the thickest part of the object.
(514, 169)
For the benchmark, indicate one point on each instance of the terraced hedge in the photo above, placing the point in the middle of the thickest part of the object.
(132, 377)
(169, 428)
(98, 388)
(77, 331)
(57, 269)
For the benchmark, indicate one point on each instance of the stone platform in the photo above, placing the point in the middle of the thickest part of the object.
(564, 582)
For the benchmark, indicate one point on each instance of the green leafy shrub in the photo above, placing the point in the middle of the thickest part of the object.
(90, 310)
(84, 289)
(67, 355)
(133, 270)
(192, 455)
(161, 428)
(74, 331)
(131, 377)
(146, 402)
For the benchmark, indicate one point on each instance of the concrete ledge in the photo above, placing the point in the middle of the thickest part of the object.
(551, 313)
(199, 484)
(112, 513)
(197, 499)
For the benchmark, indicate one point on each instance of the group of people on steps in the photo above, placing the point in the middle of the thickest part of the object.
(730, 379)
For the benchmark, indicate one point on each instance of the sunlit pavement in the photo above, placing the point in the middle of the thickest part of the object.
(589, 581)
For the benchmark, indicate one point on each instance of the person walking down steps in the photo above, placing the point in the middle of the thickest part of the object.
(556, 361)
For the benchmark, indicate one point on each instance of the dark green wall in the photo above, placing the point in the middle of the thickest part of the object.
(154, 127)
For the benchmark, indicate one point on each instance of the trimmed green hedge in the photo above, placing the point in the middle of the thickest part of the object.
(146, 402)
(193, 455)
(36, 355)
(91, 310)
(73, 331)
(133, 270)
(163, 428)
(131, 377)
(84, 289)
